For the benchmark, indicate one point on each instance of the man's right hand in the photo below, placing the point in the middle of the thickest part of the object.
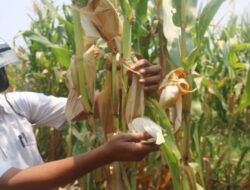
(127, 147)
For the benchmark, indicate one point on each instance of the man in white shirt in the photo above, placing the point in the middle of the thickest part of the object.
(20, 111)
(21, 166)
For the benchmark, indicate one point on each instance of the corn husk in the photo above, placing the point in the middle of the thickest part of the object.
(135, 101)
(74, 105)
(142, 124)
(169, 96)
(89, 63)
(171, 90)
(99, 19)
(72, 74)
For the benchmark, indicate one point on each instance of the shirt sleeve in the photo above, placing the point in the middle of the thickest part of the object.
(40, 109)
(4, 166)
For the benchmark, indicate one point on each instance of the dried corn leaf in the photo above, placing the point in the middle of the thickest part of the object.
(89, 63)
(100, 19)
(114, 175)
(173, 77)
(72, 74)
(105, 107)
(115, 45)
(74, 106)
(135, 101)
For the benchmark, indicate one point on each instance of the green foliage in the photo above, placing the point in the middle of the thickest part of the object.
(219, 128)
(170, 150)
(80, 3)
(245, 101)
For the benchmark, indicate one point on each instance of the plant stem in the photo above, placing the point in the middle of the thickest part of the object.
(183, 30)
(229, 167)
(79, 56)
(126, 50)
(114, 94)
(186, 139)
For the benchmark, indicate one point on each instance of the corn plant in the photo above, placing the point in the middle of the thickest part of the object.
(97, 52)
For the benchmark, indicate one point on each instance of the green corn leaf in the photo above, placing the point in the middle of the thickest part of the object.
(172, 31)
(126, 9)
(245, 101)
(207, 15)
(244, 154)
(61, 54)
(171, 152)
(80, 3)
(173, 165)
(164, 122)
(141, 7)
(190, 12)
(191, 177)
(203, 22)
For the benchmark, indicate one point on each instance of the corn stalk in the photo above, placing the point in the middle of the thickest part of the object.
(78, 33)
(126, 52)
(115, 94)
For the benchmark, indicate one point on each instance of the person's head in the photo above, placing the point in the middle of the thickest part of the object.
(7, 56)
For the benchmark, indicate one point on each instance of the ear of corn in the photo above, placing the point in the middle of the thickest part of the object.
(173, 87)
(142, 124)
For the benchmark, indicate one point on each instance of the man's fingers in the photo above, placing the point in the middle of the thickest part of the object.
(150, 80)
(151, 88)
(147, 148)
(153, 69)
(141, 63)
(137, 137)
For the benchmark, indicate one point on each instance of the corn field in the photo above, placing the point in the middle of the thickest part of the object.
(202, 104)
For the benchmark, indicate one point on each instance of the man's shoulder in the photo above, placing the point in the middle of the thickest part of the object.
(27, 96)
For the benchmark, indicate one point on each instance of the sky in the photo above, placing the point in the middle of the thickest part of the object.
(14, 15)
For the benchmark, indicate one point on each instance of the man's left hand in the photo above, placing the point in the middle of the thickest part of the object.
(151, 75)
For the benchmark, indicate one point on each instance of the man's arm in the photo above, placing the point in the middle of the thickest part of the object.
(123, 147)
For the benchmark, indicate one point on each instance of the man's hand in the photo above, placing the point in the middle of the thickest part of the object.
(127, 147)
(151, 75)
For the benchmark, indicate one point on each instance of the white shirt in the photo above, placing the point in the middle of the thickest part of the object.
(18, 146)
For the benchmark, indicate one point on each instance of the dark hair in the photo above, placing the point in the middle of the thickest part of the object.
(4, 82)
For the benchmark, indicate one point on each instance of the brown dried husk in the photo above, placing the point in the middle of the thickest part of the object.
(89, 63)
(135, 101)
(171, 90)
(105, 107)
(100, 19)
(72, 74)
(74, 105)
(171, 77)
